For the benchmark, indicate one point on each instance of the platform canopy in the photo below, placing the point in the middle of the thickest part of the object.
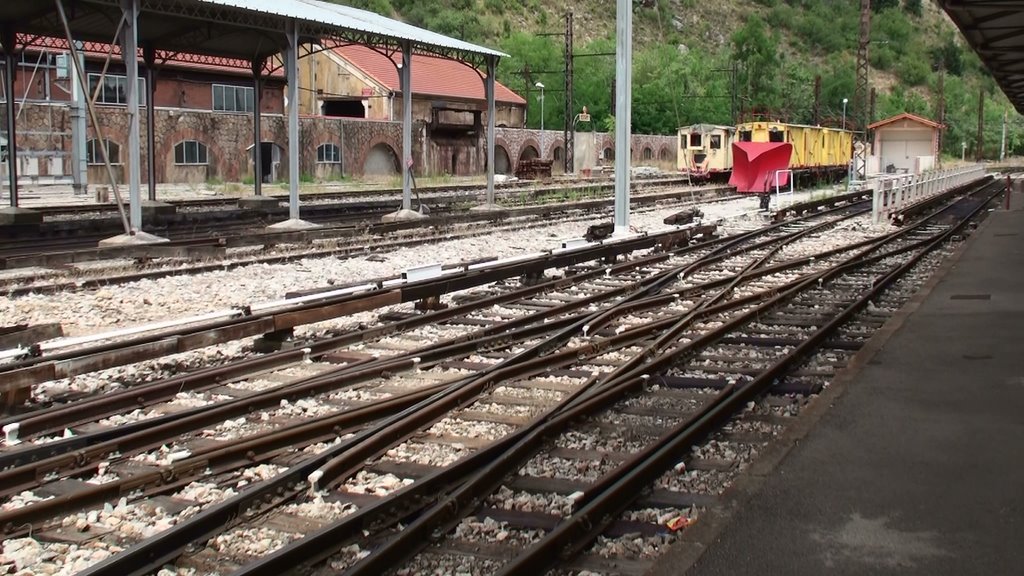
(995, 30)
(244, 29)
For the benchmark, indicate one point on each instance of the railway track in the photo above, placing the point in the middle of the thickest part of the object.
(515, 370)
(208, 220)
(280, 247)
(460, 192)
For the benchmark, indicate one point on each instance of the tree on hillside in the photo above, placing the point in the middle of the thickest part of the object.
(757, 57)
(535, 59)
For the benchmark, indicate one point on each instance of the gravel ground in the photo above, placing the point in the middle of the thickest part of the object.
(159, 299)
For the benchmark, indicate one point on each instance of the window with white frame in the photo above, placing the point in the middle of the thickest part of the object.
(328, 154)
(190, 153)
(114, 89)
(232, 98)
(94, 152)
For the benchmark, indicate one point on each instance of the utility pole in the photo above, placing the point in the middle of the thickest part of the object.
(1002, 141)
(941, 107)
(734, 94)
(817, 100)
(860, 94)
(979, 148)
(569, 130)
(871, 107)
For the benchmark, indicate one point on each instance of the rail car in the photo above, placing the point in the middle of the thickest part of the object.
(759, 155)
(705, 151)
(764, 153)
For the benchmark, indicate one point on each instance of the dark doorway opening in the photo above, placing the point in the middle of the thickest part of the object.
(344, 108)
(266, 162)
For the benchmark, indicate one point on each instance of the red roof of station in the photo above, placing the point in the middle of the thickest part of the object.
(905, 116)
(431, 75)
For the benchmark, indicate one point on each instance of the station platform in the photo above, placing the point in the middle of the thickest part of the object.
(912, 462)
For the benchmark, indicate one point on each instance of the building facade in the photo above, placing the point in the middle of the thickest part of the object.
(905, 143)
(349, 120)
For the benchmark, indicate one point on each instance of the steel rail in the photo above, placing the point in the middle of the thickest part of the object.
(439, 517)
(424, 493)
(235, 234)
(419, 532)
(429, 193)
(61, 417)
(155, 434)
(420, 529)
(526, 366)
(340, 466)
(63, 365)
(593, 517)
(132, 397)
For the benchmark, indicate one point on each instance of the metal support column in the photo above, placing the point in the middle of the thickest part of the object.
(291, 61)
(492, 63)
(257, 130)
(149, 57)
(292, 66)
(623, 102)
(79, 163)
(405, 86)
(129, 52)
(489, 204)
(8, 39)
(292, 99)
(405, 75)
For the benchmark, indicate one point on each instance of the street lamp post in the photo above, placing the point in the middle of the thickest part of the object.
(541, 86)
(845, 100)
(963, 151)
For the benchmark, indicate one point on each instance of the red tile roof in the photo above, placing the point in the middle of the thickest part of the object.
(431, 75)
(905, 116)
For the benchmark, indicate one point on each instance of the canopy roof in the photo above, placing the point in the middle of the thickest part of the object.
(242, 29)
(995, 30)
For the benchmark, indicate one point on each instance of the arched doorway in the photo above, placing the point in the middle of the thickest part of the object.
(502, 164)
(558, 165)
(609, 154)
(529, 153)
(381, 160)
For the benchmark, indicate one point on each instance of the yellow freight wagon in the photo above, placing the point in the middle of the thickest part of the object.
(765, 150)
(813, 146)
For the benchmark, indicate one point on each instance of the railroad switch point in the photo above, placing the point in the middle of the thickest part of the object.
(532, 278)
(430, 303)
(275, 341)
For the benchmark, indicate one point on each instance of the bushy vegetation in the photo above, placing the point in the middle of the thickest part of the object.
(766, 62)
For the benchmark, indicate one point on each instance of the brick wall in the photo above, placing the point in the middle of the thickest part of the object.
(45, 129)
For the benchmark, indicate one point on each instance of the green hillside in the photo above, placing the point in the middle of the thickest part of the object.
(685, 52)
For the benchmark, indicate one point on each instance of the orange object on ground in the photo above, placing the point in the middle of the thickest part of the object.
(754, 165)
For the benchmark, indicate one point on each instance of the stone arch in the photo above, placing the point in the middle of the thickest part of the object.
(647, 155)
(381, 160)
(531, 143)
(558, 159)
(608, 154)
(665, 154)
(528, 152)
(502, 162)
